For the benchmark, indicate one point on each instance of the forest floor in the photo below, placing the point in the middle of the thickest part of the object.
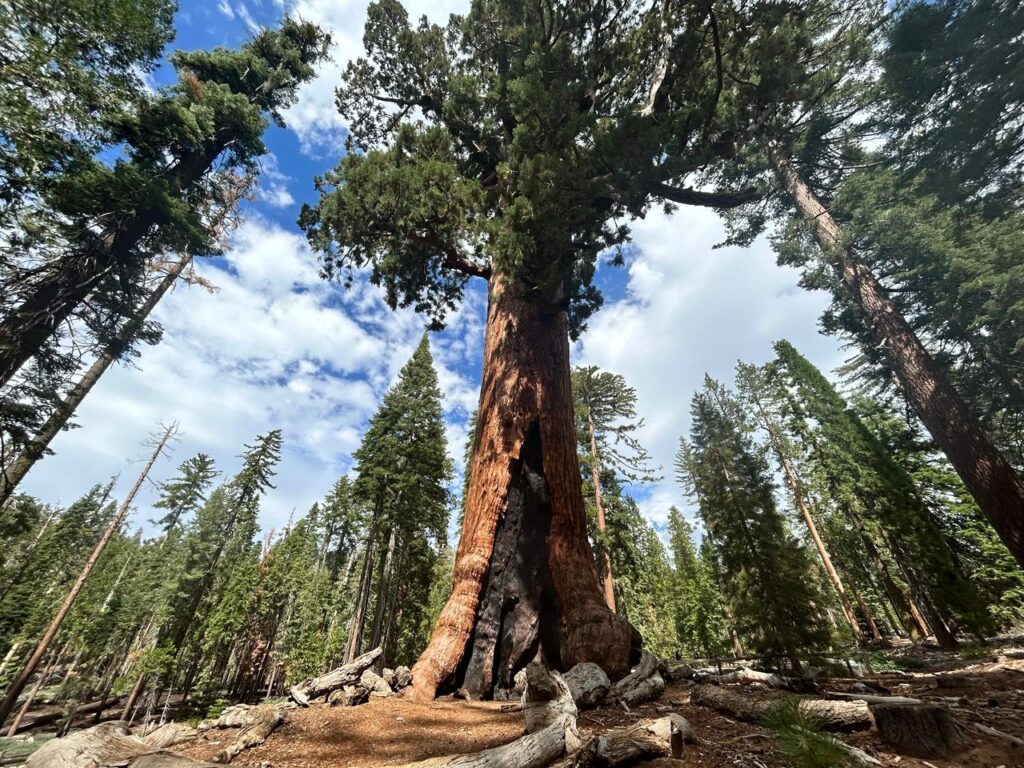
(987, 689)
(395, 731)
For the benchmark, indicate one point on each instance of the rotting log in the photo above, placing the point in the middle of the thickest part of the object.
(262, 722)
(588, 683)
(550, 714)
(745, 705)
(108, 745)
(921, 729)
(645, 740)
(348, 674)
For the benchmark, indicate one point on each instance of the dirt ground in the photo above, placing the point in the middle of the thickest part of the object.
(394, 731)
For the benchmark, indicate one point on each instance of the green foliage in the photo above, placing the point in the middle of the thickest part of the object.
(699, 610)
(765, 570)
(855, 459)
(493, 146)
(606, 423)
(800, 741)
(954, 80)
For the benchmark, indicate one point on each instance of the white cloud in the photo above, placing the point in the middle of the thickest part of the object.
(226, 9)
(243, 13)
(314, 117)
(690, 310)
(275, 347)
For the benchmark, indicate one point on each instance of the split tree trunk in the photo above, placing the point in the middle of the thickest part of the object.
(990, 478)
(14, 473)
(525, 585)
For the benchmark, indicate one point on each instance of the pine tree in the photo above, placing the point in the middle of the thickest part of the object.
(699, 615)
(767, 572)
(605, 408)
(887, 495)
(215, 114)
(403, 474)
(757, 390)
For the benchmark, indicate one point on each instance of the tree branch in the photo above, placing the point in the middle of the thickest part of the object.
(707, 199)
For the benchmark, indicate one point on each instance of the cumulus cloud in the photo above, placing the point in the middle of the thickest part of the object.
(314, 117)
(275, 347)
(691, 309)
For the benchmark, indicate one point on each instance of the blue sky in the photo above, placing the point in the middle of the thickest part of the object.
(277, 347)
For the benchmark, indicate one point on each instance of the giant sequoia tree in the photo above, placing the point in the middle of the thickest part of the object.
(510, 146)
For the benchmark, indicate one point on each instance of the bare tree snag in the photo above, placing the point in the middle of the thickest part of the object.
(990, 478)
(833, 715)
(348, 674)
(16, 686)
(525, 585)
(646, 740)
(588, 683)
(921, 729)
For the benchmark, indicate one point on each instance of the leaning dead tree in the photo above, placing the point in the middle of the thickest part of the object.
(16, 686)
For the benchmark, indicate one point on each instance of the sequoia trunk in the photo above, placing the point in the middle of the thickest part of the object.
(990, 478)
(525, 584)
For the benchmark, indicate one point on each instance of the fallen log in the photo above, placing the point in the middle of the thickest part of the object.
(831, 715)
(52, 717)
(747, 675)
(588, 683)
(646, 740)
(870, 698)
(550, 714)
(1010, 739)
(920, 729)
(263, 721)
(108, 745)
(347, 674)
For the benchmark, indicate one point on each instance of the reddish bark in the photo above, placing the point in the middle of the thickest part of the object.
(986, 473)
(524, 480)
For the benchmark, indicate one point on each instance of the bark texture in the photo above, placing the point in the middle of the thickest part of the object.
(648, 739)
(348, 674)
(990, 478)
(525, 585)
(925, 730)
(833, 715)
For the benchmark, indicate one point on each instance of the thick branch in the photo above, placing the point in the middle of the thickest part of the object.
(707, 199)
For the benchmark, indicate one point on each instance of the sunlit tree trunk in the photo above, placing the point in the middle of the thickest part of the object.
(525, 585)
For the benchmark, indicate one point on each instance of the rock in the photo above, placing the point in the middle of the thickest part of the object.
(349, 696)
(375, 684)
(403, 678)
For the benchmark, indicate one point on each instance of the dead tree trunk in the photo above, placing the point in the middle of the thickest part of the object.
(525, 583)
(35, 449)
(115, 525)
(986, 473)
(595, 475)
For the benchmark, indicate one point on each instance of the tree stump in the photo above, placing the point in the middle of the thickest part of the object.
(922, 729)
